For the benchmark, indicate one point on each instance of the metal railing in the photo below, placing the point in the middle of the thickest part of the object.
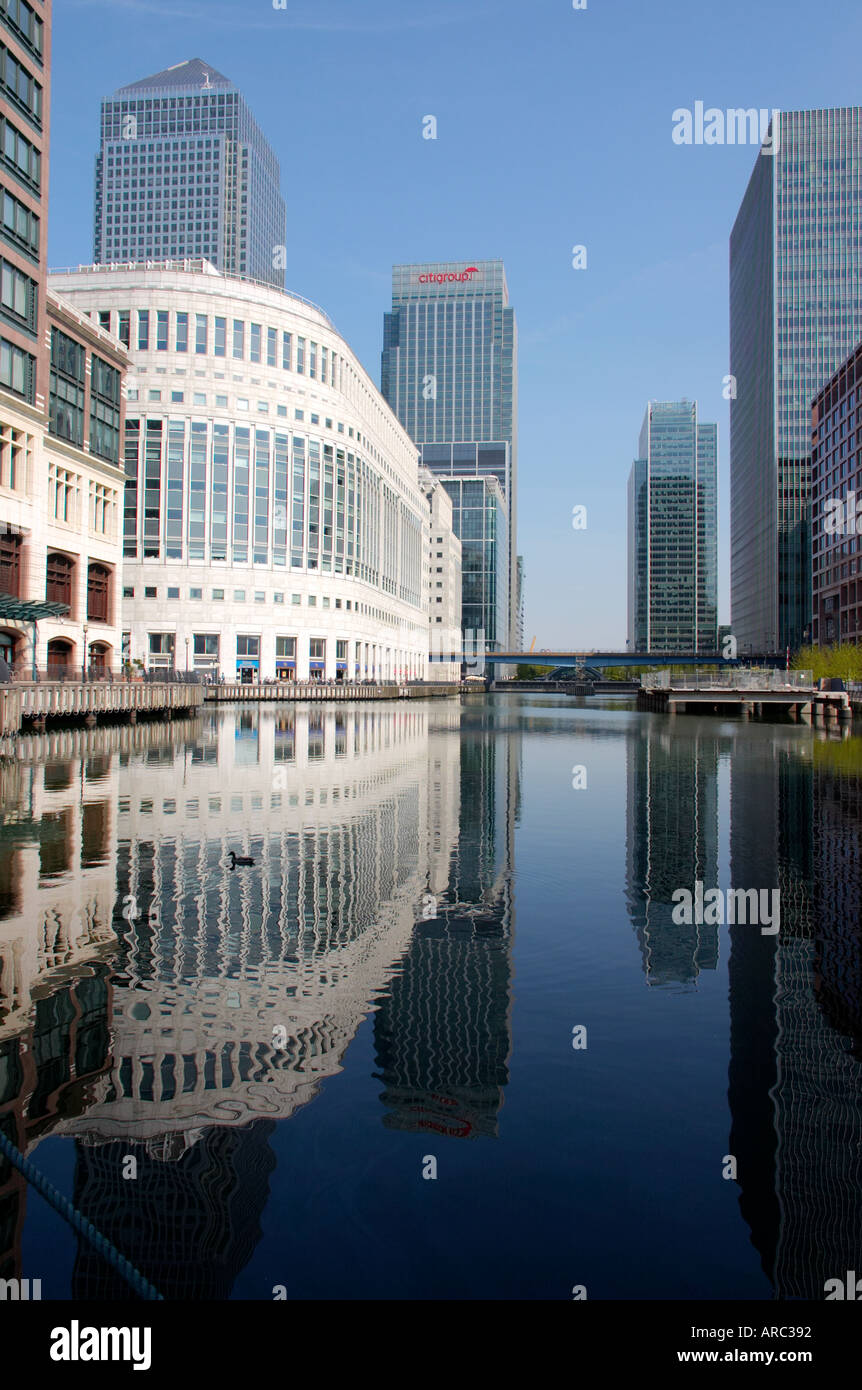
(739, 678)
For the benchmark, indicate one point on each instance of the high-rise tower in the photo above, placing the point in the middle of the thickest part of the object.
(185, 172)
(450, 373)
(795, 315)
(673, 542)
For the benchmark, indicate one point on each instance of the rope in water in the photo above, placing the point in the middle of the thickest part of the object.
(79, 1223)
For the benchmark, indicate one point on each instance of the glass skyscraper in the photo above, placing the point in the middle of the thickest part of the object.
(673, 533)
(795, 315)
(184, 171)
(450, 373)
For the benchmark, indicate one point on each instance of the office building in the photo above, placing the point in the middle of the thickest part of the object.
(836, 507)
(273, 519)
(443, 581)
(184, 170)
(450, 373)
(795, 315)
(60, 404)
(672, 533)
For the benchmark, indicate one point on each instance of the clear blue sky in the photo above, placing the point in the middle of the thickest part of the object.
(554, 129)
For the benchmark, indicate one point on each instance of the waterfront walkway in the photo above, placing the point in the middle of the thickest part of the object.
(27, 705)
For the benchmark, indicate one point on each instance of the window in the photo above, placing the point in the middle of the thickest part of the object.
(296, 598)
(182, 332)
(218, 595)
(162, 643)
(278, 598)
(66, 388)
(255, 344)
(299, 415)
(154, 395)
(162, 330)
(59, 572)
(248, 646)
(205, 644)
(17, 296)
(143, 330)
(20, 155)
(312, 600)
(239, 595)
(221, 402)
(199, 398)
(272, 347)
(10, 564)
(173, 592)
(128, 591)
(17, 370)
(317, 648)
(220, 339)
(105, 386)
(196, 594)
(259, 597)
(98, 592)
(238, 339)
(200, 333)
(150, 592)
(178, 397)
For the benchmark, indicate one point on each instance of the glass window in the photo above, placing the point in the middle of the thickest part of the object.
(200, 333)
(182, 332)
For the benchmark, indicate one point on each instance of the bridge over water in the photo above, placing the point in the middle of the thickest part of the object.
(602, 660)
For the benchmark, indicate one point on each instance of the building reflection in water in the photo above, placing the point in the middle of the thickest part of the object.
(58, 800)
(672, 842)
(795, 1079)
(232, 995)
(442, 1032)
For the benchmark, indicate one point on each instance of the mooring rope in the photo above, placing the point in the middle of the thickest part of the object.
(80, 1223)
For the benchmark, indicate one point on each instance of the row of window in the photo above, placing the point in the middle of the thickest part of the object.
(18, 296)
(22, 20)
(19, 86)
(67, 398)
(18, 224)
(17, 370)
(223, 337)
(20, 155)
(59, 578)
(208, 643)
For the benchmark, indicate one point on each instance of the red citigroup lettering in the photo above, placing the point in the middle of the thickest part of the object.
(449, 276)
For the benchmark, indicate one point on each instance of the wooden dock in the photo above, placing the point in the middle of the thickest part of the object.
(29, 706)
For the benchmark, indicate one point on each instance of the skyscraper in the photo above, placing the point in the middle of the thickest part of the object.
(450, 373)
(673, 542)
(184, 171)
(795, 315)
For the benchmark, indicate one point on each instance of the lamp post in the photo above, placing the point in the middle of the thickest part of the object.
(84, 660)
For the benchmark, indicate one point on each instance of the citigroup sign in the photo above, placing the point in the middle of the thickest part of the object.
(450, 277)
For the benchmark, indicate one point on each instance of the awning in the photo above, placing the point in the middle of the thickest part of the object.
(23, 610)
(317, 665)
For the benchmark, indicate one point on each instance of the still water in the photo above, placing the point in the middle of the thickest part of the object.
(433, 908)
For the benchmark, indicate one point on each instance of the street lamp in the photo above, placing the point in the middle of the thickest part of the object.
(84, 660)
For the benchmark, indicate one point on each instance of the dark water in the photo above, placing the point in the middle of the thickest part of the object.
(433, 909)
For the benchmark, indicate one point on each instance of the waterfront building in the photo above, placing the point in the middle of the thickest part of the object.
(60, 404)
(795, 315)
(442, 581)
(672, 532)
(450, 372)
(184, 170)
(273, 518)
(836, 506)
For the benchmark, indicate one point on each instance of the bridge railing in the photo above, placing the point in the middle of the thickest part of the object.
(739, 678)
